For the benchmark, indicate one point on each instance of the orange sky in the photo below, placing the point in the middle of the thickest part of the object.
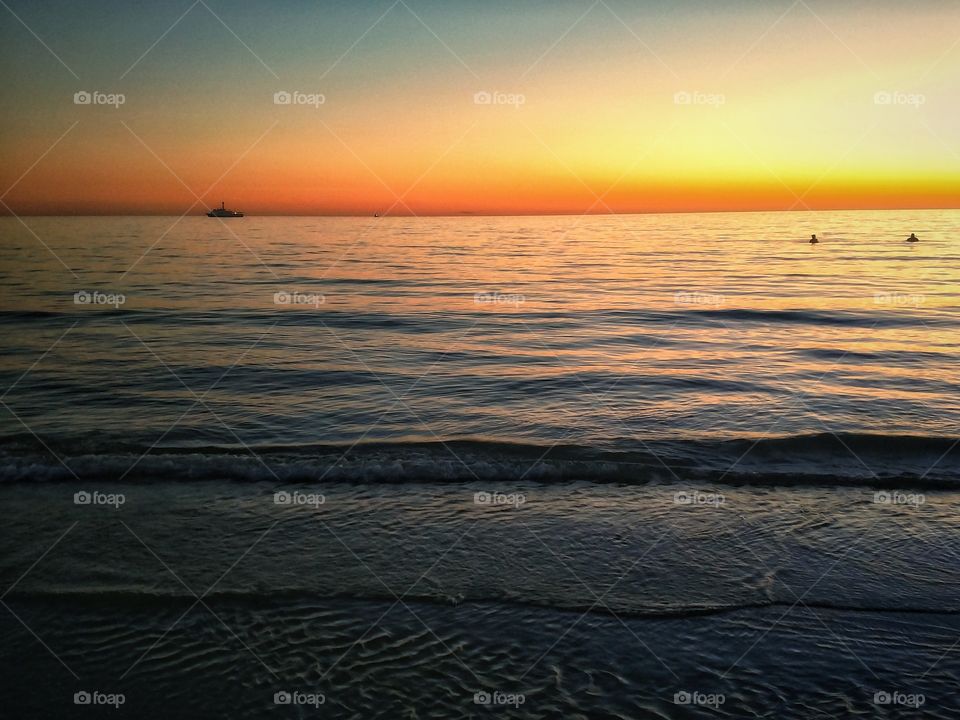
(685, 109)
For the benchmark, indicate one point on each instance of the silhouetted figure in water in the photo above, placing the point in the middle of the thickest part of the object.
(813, 240)
(913, 238)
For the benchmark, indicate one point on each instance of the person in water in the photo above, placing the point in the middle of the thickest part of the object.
(913, 238)
(813, 240)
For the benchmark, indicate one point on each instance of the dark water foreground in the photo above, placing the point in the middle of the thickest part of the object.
(231, 659)
(225, 599)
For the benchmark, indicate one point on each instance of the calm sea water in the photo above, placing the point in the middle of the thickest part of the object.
(614, 334)
(595, 462)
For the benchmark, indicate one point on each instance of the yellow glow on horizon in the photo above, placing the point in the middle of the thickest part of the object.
(794, 115)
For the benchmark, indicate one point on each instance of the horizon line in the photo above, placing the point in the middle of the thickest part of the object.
(472, 214)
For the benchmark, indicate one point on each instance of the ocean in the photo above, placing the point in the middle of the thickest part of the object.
(651, 466)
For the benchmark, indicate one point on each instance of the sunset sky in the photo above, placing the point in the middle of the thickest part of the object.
(793, 105)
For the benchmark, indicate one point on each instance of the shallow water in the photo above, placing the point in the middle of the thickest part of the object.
(406, 600)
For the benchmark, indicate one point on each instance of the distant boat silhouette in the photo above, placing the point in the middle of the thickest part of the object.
(913, 238)
(223, 212)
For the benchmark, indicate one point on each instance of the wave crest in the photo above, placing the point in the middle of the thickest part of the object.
(824, 459)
